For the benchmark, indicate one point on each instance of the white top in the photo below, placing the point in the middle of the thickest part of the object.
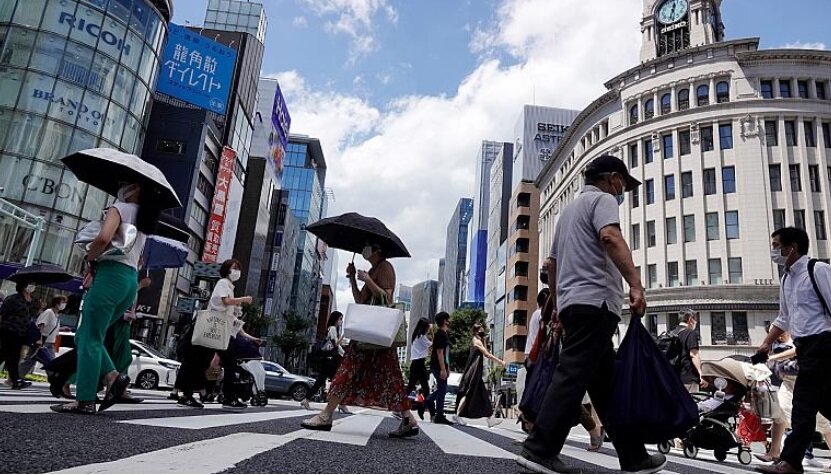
(420, 348)
(333, 335)
(50, 323)
(533, 329)
(128, 213)
(223, 288)
(800, 311)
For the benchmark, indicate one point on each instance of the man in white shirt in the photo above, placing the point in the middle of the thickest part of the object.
(533, 329)
(804, 312)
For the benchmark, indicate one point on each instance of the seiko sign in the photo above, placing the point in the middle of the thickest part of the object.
(674, 27)
(95, 31)
(550, 132)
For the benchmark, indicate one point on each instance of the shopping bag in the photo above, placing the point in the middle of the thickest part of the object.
(376, 325)
(750, 428)
(539, 377)
(764, 401)
(649, 403)
(212, 329)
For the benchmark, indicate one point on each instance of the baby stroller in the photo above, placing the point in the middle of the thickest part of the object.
(719, 413)
(248, 374)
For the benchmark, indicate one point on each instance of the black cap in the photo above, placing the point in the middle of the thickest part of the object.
(610, 164)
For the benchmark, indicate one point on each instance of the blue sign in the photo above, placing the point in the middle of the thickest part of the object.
(280, 117)
(197, 70)
(512, 369)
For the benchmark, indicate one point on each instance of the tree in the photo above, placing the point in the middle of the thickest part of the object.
(461, 334)
(293, 338)
(255, 322)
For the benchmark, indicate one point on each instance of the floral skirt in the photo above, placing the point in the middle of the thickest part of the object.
(370, 379)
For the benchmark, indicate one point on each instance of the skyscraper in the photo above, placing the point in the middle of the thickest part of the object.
(478, 229)
(424, 300)
(236, 15)
(455, 257)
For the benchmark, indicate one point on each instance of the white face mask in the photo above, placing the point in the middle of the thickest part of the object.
(367, 252)
(31, 288)
(777, 257)
(126, 192)
(235, 275)
(62, 306)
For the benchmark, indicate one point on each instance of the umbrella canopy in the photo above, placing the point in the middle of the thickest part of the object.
(163, 253)
(41, 274)
(106, 168)
(172, 227)
(351, 232)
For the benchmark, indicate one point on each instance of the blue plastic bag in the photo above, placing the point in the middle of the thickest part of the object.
(538, 381)
(649, 402)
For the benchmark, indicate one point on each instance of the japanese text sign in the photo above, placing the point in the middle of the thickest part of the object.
(280, 117)
(196, 70)
(213, 235)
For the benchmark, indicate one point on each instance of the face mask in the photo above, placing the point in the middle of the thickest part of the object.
(367, 252)
(126, 192)
(619, 196)
(235, 275)
(777, 257)
(61, 306)
(31, 288)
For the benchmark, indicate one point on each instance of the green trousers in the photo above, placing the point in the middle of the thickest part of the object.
(113, 292)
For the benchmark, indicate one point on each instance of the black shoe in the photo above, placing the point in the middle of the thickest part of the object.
(234, 405)
(189, 402)
(117, 388)
(421, 412)
(81, 408)
(536, 464)
(652, 464)
(174, 397)
(432, 410)
(404, 430)
(442, 420)
(21, 384)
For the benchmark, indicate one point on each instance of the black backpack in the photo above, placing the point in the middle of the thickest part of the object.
(670, 345)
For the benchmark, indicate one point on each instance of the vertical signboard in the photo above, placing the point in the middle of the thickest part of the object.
(278, 140)
(196, 70)
(213, 236)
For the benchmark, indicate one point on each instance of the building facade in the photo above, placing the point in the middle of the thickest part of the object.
(425, 300)
(235, 15)
(478, 228)
(405, 296)
(455, 257)
(731, 143)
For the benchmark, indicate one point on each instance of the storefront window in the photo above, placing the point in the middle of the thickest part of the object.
(47, 53)
(34, 97)
(102, 74)
(57, 245)
(93, 112)
(70, 193)
(24, 134)
(82, 140)
(66, 101)
(113, 126)
(94, 204)
(55, 142)
(132, 55)
(19, 44)
(131, 132)
(10, 83)
(123, 88)
(120, 9)
(10, 180)
(52, 16)
(30, 13)
(6, 10)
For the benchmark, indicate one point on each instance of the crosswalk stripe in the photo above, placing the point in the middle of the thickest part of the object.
(216, 420)
(454, 441)
(206, 456)
(50, 398)
(44, 408)
(353, 430)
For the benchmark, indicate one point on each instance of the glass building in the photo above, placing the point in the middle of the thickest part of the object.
(237, 15)
(73, 75)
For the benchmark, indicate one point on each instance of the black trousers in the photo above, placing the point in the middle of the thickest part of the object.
(586, 364)
(328, 368)
(191, 375)
(419, 375)
(811, 395)
(12, 344)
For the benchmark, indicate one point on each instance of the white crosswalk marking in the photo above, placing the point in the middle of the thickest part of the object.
(44, 408)
(454, 441)
(216, 420)
(353, 430)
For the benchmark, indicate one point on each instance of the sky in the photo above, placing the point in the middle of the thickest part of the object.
(401, 93)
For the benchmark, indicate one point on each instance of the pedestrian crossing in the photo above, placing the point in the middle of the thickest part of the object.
(212, 441)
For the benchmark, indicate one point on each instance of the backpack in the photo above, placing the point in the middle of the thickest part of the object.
(811, 264)
(670, 345)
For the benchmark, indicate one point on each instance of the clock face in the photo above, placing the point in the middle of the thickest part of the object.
(672, 11)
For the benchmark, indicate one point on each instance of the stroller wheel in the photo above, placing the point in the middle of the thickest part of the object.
(745, 457)
(690, 451)
(664, 447)
(721, 455)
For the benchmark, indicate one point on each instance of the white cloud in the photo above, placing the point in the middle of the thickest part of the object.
(806, 45)
(353, 18)
(410, 161)
(300, 22)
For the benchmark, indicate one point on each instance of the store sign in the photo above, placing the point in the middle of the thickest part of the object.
(550, 132)
(196, 70)
(95, 32)
(70, 107)
(150, 297)
(213, 237)
(280, 117)
(48, 186)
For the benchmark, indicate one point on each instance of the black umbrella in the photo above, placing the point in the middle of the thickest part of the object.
(41, 274)
(351, 232)
(171, 227)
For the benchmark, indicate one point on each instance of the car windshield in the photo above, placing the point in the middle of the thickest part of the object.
(152, 352)
(270, 366)
(452, 389)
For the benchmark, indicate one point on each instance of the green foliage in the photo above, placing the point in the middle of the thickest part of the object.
(255, 322)
(293, 339)
(405, 368)
(461, 335)
(495, 375)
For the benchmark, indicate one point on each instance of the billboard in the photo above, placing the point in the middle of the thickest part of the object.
(213, 236)
(196, 70)
(278, 139)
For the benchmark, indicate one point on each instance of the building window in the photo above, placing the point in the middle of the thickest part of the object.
(170, 146)
(633, 155)
(669, 187)
(790, 133)
(667, 141)
(722, 92)
(636, 237)
(684, 142)
(649, 109)
(707, 138)
(725, 136)
(652, 324)
(813, 176)
(767, 89)
(819, 224)
(650, 191)
(689, 228)
(778, 219)
(672, 274)
(633, 115)
(652, 276)
(686, 184)
(821, 94)
(714, 270)
(771, 134)
(691, 272)
(718, 328)
(728, 179)
(672, 231)
(826, 134)
(710, 181)
(802, 89)
(775, 172)
(666, 104)
(702, 95)
(683, 99)
(741, 335)
(647, 151)
(650, 234)
(799, 218)
(734, 270)
(810, 134)
(785, 88)
(636, 198)
(731, 224)
(711, 219)
(796, 178)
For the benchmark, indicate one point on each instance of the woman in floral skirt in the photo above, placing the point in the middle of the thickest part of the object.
(369, 378)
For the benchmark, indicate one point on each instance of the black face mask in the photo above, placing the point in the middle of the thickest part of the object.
(544, 277)
(482, 335)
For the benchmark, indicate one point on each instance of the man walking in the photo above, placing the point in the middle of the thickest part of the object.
(690, 364)
(589, 260)
(440, 367)
(804, 293)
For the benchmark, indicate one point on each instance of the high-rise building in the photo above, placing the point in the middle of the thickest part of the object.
(500, 195)
(441, 282)
(405, 296)
(236, 15)
(425, 296)
(478, 228)
(731, 143)
(455, 257)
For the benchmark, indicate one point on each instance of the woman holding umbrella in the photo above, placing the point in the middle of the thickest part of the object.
(16, 313)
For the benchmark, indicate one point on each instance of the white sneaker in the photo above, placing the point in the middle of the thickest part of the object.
(459, 420)
(813, 462)
(493, 421)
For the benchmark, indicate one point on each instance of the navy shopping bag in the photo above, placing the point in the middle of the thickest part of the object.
(649, 402)
(538, 381)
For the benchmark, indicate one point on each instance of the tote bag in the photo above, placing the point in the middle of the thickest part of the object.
(540, 377)
(212, 329)
(374, 326)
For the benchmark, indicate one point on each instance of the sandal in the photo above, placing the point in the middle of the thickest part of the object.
(318, 422)
(595, 442)
(115, 390)
(74, 408)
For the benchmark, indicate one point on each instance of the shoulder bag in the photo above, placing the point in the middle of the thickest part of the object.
(212, 329)
(121, 243)
(375, 326)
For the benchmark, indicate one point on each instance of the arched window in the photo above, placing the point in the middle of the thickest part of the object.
(666, 104)
(633, 115)
(703, 95)
(683, 99)
(648, 109)
(722, 92)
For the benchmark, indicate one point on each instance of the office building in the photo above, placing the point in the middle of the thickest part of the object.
(425, 296)
(405, 296)
(478, 227)
(495, 279)
(236, 15)
(455, 258)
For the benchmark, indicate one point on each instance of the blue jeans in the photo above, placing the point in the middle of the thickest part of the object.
(436, 399)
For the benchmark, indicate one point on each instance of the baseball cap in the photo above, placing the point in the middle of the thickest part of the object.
(610, 164)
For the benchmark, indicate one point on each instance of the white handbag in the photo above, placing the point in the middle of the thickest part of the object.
(373, 324)
(212, 329)
(121, 243)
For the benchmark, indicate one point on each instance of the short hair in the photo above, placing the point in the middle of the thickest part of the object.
(442, 317)
(791, 236)
(225, 268)
(58, 299)
(542, 297)
(478, 328)
(687, 314)
(333, 318)
(21, 286)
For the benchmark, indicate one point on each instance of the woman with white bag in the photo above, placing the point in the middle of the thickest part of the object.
(369, 378)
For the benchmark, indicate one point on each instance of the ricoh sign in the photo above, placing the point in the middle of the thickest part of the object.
(95, 31)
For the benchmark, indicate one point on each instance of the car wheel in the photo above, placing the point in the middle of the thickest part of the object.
(298, 392)
(147, 379)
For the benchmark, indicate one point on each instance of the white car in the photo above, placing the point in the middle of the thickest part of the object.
(149, 369)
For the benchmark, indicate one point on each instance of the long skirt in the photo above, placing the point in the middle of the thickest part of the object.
(370, 378)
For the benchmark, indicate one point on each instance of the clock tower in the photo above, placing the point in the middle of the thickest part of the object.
(669, 26)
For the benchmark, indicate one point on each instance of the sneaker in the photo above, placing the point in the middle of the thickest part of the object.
(404, 430)
(493, 422)
(189, 402)
(174, 396)
(397, 415)
(813, 462)
(535, 464)
(21, 384)
(234, 405)
(652, 464)
(442, 420)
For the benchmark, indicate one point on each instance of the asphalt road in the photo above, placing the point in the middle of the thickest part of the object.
(159, 437)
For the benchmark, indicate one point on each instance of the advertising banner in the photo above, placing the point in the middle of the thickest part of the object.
(213, 236)
(196, 70)
(149, 298)
(278, 139)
